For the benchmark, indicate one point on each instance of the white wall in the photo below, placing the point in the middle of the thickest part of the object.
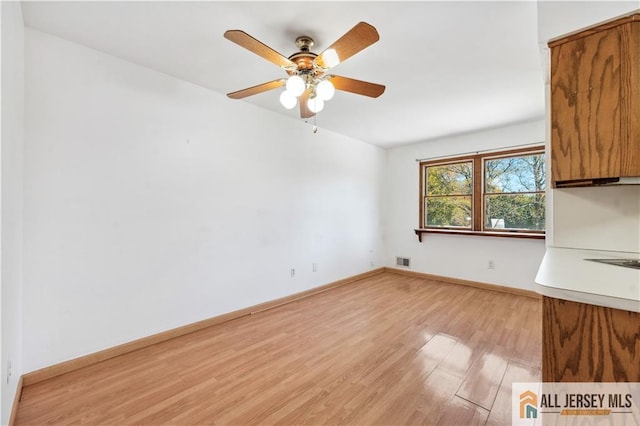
(603, 218)
(558, 18)
(151, 203)
(457, 256)
(11, 177)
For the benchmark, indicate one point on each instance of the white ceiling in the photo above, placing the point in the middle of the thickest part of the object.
(449, 67)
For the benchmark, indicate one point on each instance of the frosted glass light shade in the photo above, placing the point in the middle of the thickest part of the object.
(330, 58)
(295, 85)
(288, 100)
(325, 90)
(315, 104)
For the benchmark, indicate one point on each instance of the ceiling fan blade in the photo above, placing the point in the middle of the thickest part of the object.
(245, 40)
(358, 87)
(257, 89)
(356, 39)
(305, 112)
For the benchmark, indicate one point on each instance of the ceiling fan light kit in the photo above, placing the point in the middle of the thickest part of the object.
(288, 100)
(320, 90)
(325, 90)
(295, 85)
(308, 84)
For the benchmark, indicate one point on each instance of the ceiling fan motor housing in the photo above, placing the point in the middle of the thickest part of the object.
(304, 58)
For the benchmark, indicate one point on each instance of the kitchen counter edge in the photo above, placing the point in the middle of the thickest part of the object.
(565, 274)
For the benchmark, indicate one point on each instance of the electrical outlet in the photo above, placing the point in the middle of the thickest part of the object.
(492, 264)
(293, 272)
(314, 267)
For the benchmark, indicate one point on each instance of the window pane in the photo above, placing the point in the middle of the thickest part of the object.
(452, 211)
(515, 174)
(514, 211)
(450, 179)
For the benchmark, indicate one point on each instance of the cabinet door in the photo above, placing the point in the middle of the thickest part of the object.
(630, 99)
(585, 107)
(587, 343)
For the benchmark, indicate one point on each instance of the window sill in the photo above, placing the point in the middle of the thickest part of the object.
(505, 234)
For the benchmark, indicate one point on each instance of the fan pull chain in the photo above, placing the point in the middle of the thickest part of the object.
(315, 122)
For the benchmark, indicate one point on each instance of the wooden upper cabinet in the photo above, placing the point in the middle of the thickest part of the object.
(595, 103)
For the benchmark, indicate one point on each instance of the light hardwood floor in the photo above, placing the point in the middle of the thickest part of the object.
(389, 349)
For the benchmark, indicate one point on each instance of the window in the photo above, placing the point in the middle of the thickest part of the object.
(449, 195)
(500, 193)
(514, 192)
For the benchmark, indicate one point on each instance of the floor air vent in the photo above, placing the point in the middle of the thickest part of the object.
(403, 261)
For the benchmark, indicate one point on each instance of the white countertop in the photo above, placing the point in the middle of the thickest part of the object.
(564, 274)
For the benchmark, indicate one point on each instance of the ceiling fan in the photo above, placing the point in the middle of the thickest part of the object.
(308, 83)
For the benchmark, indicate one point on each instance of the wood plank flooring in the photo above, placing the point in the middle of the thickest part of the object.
(389, 349)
